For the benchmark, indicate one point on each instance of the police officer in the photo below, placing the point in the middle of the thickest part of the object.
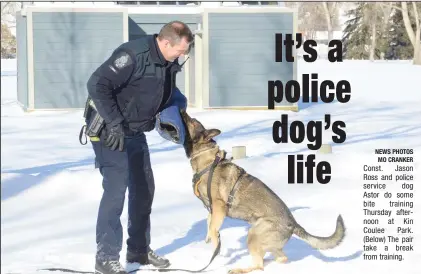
(128, 90)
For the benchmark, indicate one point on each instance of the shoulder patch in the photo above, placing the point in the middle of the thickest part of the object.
(122, 60)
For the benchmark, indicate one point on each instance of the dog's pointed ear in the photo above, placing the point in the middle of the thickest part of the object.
(183, 113)
(210, 133)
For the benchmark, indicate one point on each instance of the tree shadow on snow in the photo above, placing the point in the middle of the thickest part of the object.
(259, 127)
(197, 233)
(295, 249)
(398, 132)
(29, 177)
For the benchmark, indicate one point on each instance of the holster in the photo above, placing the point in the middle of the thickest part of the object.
(94, 123)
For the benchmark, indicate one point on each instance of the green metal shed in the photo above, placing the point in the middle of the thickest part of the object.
(229, 66)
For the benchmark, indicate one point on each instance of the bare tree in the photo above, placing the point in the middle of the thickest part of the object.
(311, 18)
(8, 42)
(330, 12)
(8, 11)
(386, 15)
(8, 21)
(412, 13)
(373, 16)
(414, 35)
(316, 16)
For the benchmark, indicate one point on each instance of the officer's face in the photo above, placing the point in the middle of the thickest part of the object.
(178, 50)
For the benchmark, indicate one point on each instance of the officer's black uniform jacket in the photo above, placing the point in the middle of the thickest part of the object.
(133, 85)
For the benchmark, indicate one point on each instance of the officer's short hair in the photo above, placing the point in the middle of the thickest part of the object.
(174, 31)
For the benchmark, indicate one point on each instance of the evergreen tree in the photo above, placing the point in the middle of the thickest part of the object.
(399, 45)
(356, 34)
(391, 35)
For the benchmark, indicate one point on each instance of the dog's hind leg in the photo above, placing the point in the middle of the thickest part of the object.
(256, 243)
(280, 239)
(280, 256)
(257, 254)
(216, 219)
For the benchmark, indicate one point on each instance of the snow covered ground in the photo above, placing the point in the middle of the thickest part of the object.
(51, 191)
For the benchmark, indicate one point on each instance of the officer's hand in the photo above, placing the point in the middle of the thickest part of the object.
(115, 137)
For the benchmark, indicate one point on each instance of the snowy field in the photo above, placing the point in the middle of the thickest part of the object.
(51, 191)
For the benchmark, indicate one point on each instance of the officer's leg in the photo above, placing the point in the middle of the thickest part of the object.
(141, 193)
(114, 169)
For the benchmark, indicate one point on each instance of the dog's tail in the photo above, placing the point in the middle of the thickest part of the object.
(323, 242)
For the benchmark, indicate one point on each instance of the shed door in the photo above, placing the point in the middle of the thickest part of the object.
(242, 57)
(67, 48)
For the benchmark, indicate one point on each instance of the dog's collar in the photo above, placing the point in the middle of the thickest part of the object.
(202, 151)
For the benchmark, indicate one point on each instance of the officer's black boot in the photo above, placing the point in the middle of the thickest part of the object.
(147, 258)
(109, 267)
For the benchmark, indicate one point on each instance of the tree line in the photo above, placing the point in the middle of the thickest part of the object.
(8, 20)
(372, 31)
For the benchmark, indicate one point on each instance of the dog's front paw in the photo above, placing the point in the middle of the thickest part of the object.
(233, 271)
(237, 271)
(282, 259)
(244, 270)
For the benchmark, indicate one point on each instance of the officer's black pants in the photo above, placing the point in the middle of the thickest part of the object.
(130, 168)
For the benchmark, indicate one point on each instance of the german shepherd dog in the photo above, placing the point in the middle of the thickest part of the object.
(272, 223)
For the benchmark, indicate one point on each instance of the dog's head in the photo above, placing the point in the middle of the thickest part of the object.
(198, 138)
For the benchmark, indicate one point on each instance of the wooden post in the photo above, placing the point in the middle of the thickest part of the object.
(325, 149)
(238, 152)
